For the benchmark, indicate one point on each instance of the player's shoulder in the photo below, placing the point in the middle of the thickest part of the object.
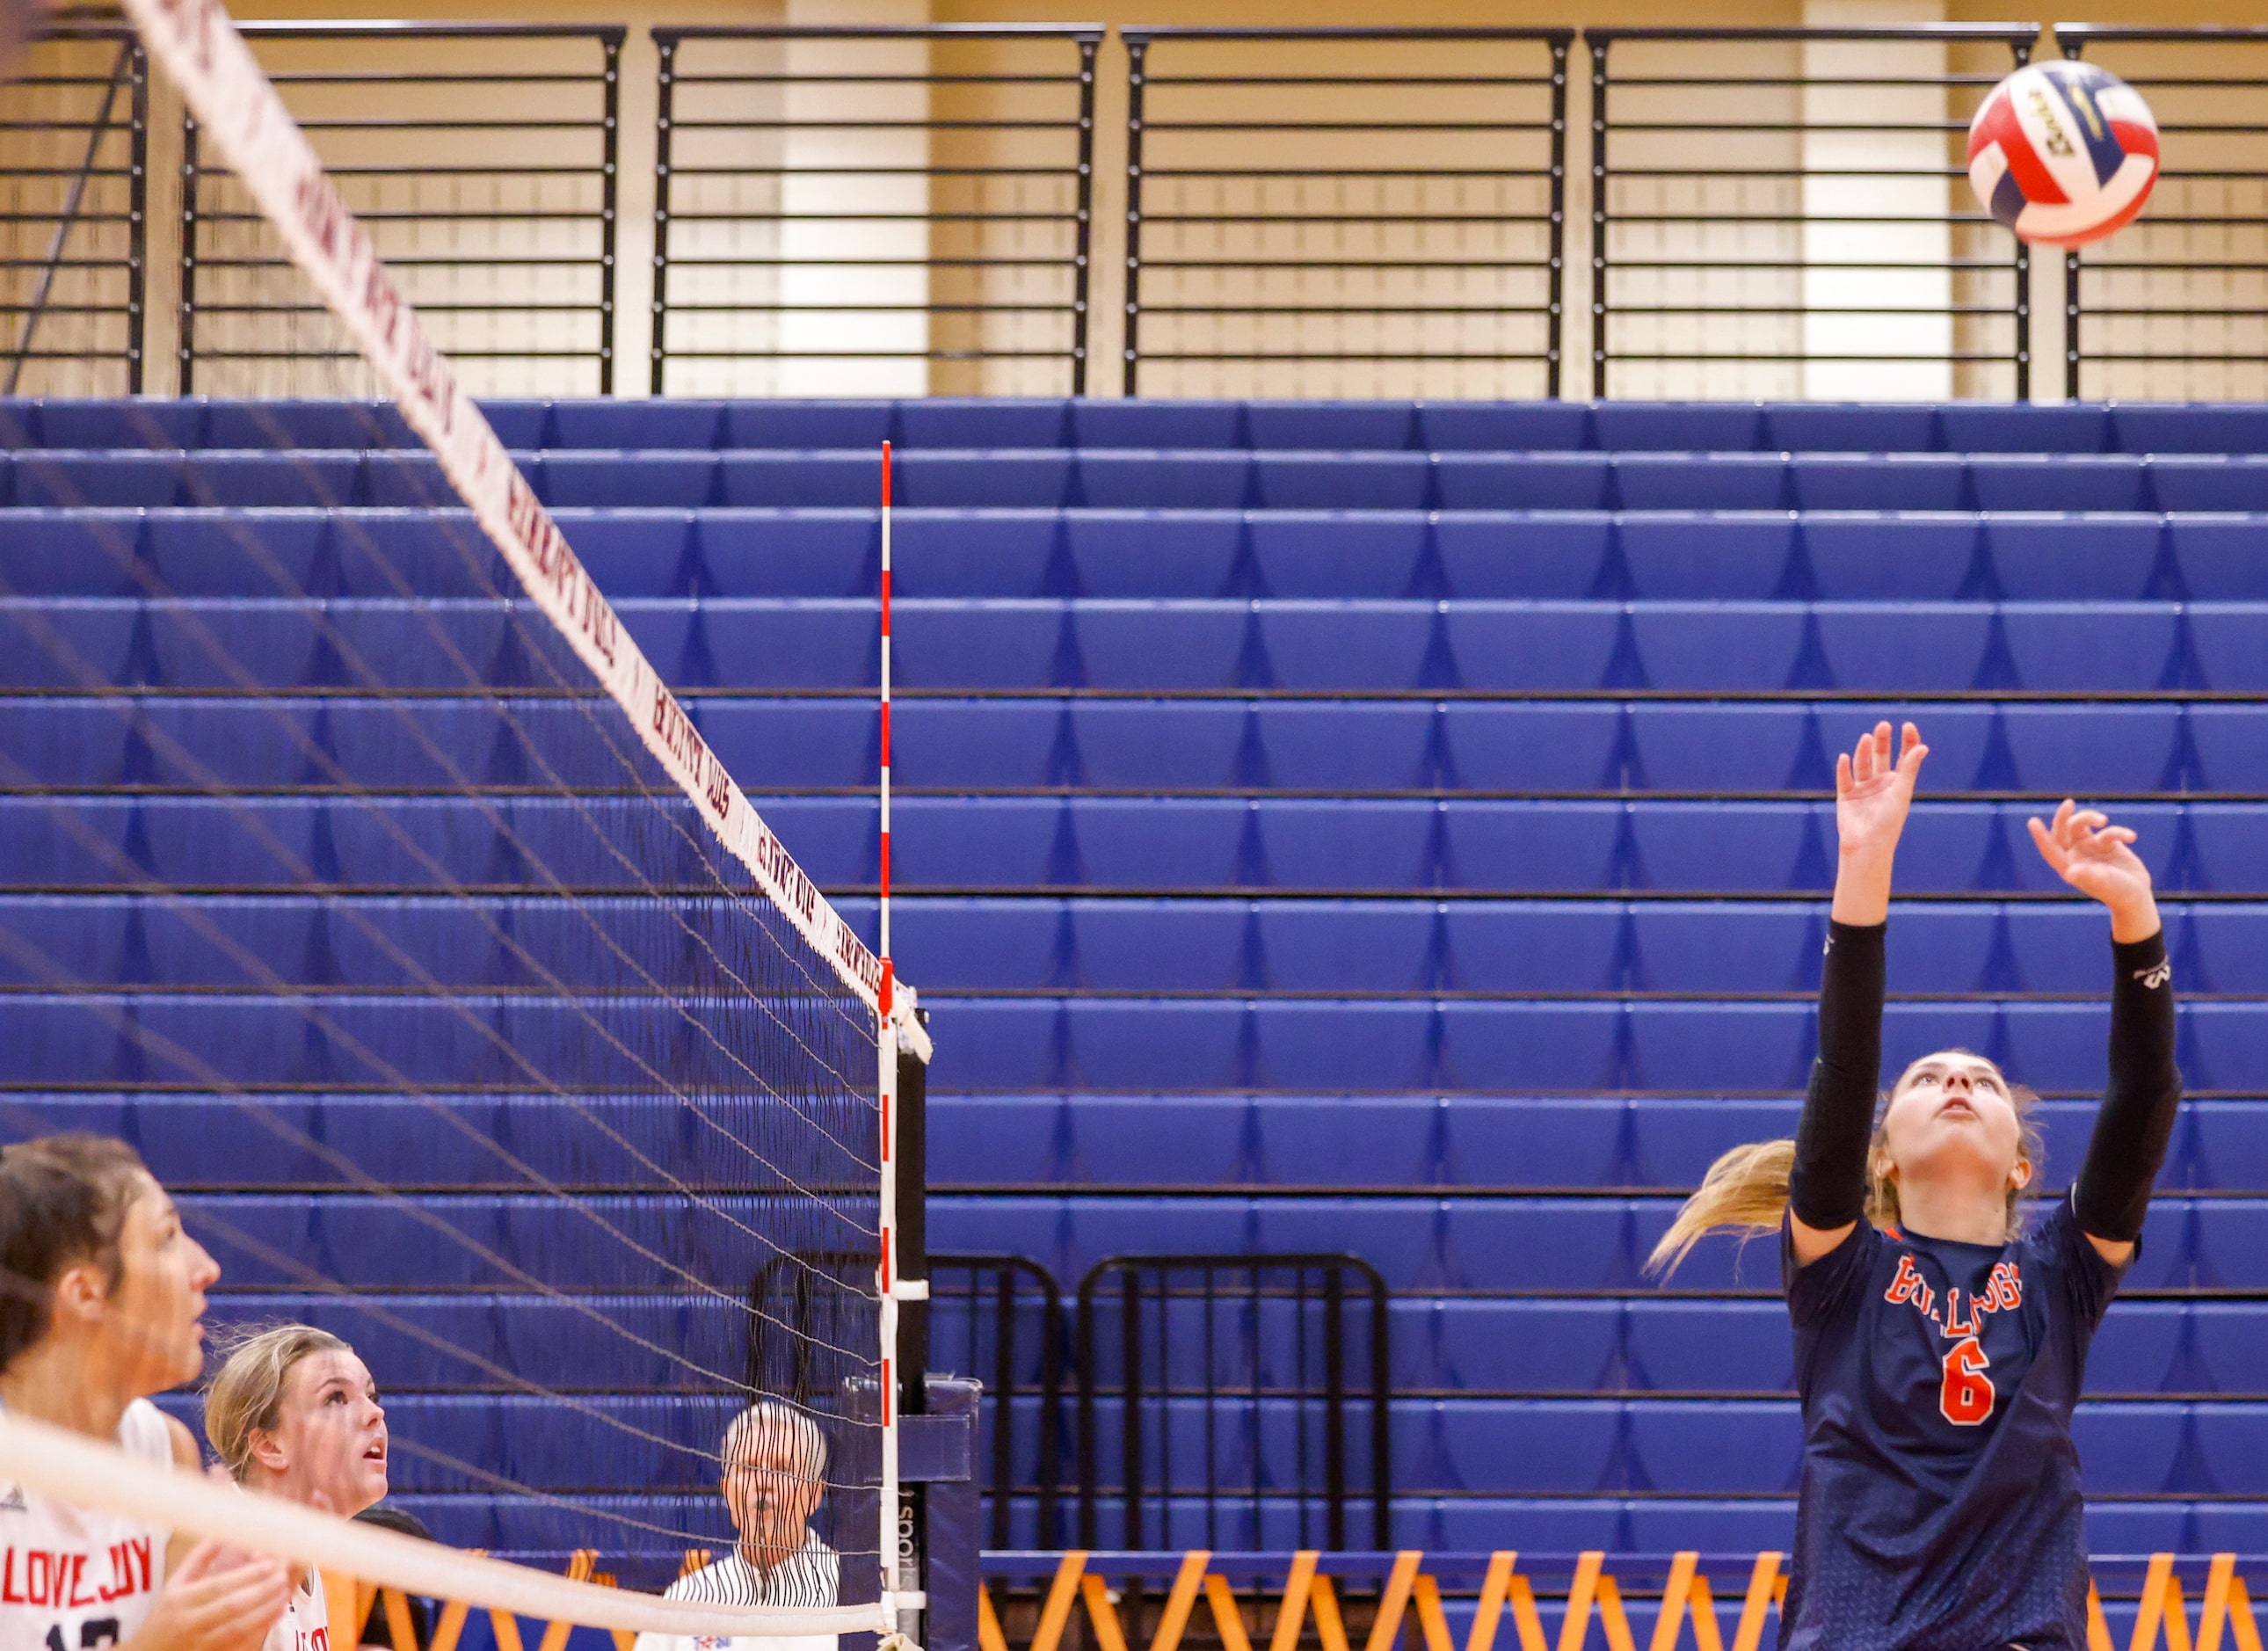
(712, 1582)
(2052, 1235)
(147, 1431)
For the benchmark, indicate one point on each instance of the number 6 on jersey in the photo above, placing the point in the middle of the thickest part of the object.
(1966, 1395)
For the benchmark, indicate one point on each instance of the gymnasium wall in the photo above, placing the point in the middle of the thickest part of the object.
(1786, 220)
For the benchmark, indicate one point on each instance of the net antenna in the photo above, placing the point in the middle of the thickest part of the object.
(238, 111)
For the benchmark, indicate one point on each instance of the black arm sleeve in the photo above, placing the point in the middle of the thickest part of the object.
(2112, 1194)
(1828, 1186)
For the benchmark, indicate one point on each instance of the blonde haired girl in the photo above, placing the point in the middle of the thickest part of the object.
(294, 1412)
(1939, 1348)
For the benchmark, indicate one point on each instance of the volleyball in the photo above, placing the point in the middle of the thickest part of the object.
(2063, 153)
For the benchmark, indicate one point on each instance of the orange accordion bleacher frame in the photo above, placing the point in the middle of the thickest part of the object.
(2225, 1611)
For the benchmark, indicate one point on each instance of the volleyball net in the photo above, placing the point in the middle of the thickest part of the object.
(359, 848)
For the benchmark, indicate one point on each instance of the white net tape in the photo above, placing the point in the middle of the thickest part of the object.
(69, 1467)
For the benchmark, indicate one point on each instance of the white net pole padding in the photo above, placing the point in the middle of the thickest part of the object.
(69, 1467)
(238, 109)
(894, 1287)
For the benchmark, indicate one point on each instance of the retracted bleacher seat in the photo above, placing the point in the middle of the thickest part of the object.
(1129, 553)
(1338, 554)
(2087, 482)
(794, 744)
(1328, 647)
(2038, 557)
(1345, 747)
(1165, 480)
(1493, 746)
(1523, 481)
(755, 553)
(1352, 845)
(1348, 481)
(960, 553)
(2214, 556)
(1722, 481)
(1891, 556)
(1560, 555)
(1160, 745)
(2230, 756)
(1160, 645)
(1674, 554)
(1375, 826)
(2231, 649)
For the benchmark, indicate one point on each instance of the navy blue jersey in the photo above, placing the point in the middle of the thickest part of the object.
(1940, 1500)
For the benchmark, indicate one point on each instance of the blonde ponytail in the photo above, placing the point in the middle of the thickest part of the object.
(1745, 1191)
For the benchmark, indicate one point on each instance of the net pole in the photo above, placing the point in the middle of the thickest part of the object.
(886, 1042)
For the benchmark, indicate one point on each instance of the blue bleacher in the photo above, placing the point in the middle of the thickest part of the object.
(1678, 1348)
(978, 553)
(958, 745)
(1390, 826)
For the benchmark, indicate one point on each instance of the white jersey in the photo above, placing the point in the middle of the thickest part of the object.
(806, 1580)
(305, 1624)
(75, 1579)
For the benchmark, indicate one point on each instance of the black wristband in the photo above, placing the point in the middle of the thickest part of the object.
(2112, 1197)
(1827, 1187)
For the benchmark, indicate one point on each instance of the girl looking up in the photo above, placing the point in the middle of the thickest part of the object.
(101, 1299)
(295, 1413)
(1940, 1346)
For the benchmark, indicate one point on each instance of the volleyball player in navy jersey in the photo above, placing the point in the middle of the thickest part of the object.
(1940, 1346)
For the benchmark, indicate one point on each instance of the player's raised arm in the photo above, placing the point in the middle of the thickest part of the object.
(1827, 1184)
(1818, 1181)
(2112, 1193)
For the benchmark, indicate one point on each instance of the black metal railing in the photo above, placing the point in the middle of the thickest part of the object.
(873, 210)
(2175, 307)
(74, 130)
(1785, 213)
(999, 1318)
(481, 158)
(1306, 211)
(1261, 1367)
(1300, 220)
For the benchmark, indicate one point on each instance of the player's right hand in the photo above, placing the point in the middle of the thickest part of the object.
(216, 1600)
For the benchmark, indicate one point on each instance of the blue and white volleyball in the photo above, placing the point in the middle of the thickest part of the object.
(2063, 153)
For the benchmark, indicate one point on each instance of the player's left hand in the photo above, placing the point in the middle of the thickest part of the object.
(2098, 859)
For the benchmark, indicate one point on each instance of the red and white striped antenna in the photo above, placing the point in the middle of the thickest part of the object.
(884, 936)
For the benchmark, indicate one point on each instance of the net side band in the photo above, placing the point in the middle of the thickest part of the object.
(239, 108)
(85, 1473)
